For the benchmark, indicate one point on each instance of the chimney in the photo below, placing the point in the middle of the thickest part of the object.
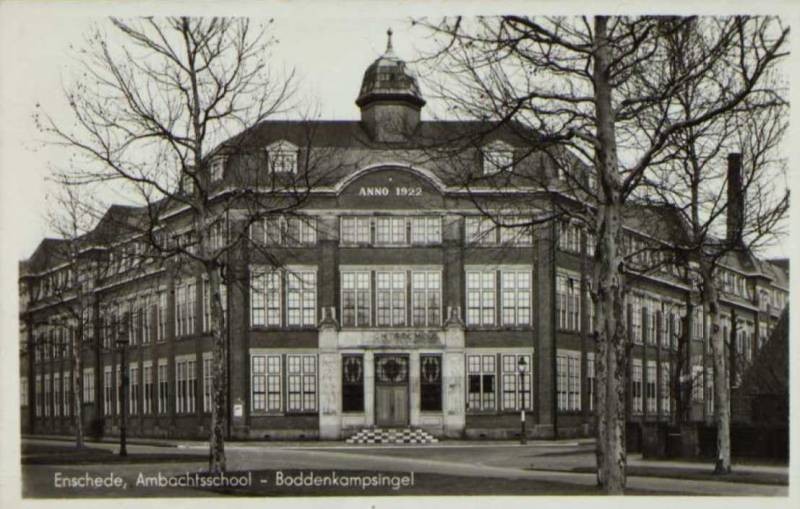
(735, 215)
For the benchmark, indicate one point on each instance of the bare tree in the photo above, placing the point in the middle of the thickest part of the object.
(586, 84)
(153, 101)
(728, 206)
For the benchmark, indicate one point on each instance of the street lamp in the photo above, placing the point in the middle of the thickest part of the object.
(522, 367)
(122, 344)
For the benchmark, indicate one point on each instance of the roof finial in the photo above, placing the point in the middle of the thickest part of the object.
(389, 40)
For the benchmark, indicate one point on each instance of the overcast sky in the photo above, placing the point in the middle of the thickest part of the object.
(329, 53)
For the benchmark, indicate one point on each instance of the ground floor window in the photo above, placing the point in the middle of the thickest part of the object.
(591, 381)
(133, 389)
(568, 381)
(353, 383)
(666, 390)
(265, 383)
(481, 382)
(108, 391)
(47, 395)
(147, 375)
(88, 385)
(163, 386)
(57, 394)
(430, 383)
(516, 385)
(636, 386)
(651, 387)
(301, 381)
(38, 395)
(185, 380)
(68, 397)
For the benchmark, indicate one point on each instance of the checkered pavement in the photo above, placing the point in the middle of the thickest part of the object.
(392, 436)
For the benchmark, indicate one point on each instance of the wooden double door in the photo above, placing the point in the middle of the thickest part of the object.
(391, 390)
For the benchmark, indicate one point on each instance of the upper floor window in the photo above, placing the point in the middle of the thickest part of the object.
(498, 157)
(267, 302)
(568, 302)
(355, 230)
(507, 230)
(282, 157)
(569, 237)
(285, 231)
(217, 168)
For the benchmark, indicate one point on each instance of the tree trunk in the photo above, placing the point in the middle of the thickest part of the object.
(722, 408)
(611, 331)
(218, 407)
(77, 385)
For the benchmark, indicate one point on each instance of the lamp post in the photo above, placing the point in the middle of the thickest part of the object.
(122, 345)
(522, 366)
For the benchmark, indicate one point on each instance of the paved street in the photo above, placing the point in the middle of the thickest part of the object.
(449, 468)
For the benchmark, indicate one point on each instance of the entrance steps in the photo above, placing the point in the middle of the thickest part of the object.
(392, 436)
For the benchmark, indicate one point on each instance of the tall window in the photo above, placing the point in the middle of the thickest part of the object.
(161, 312)
(480, 230)
(652, 327)
(38, 395)
(265, 297)
(651, 387)
(426, 230)
(480, 297)
(568, 302)
(57, 393)
(355, 230)
(515, 232)
(208, 382)
(590, 380)
(355, 299)
(516, 386)
(300, 231)
(481, 385)
(133, 390)
(47, 401)
(636, 318)
(390, 298)
(569, 238)
(266, 383)
(390, 230)
(666, 390)
(88, 385)
(301, 298)
(430, 389)
(68, 396)
(118, 386)
(185, 380)
(516, 288)
(147, 375)
(636, 386)
(301, 381)
(144, 314)
(426, 304)
(568, 378)
(184, 308)
(163, 386)
(352, 383)
(108, 391)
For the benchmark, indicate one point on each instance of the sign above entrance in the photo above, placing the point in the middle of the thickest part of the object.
(390, 189)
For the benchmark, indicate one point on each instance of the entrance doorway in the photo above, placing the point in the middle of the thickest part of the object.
(391, 390)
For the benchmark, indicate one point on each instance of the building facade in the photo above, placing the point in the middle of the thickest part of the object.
(387, 300)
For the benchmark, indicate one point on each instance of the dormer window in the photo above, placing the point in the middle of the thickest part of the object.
(217, 168)
(282, 157)
(187, 183)
(497, 157)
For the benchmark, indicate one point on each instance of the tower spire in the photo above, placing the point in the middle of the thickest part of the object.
(389, 40)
